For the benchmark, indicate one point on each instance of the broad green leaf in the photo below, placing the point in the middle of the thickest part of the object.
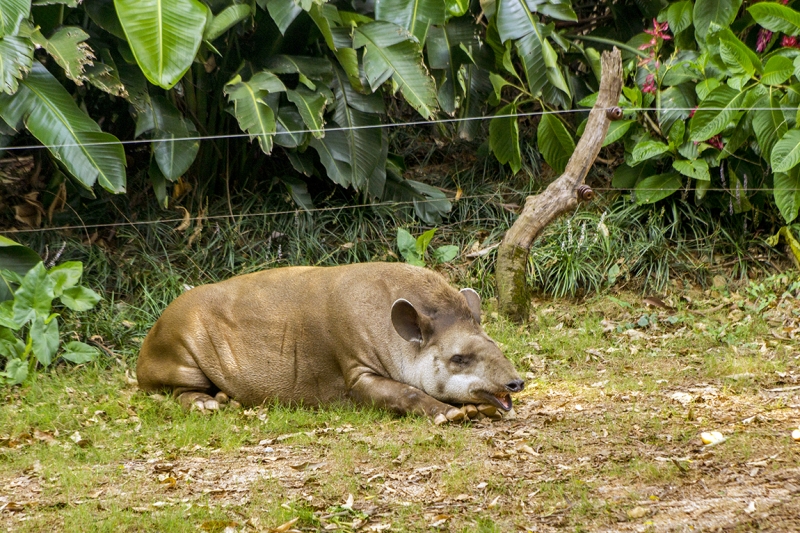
(737, 55)
(17, 371)
(79, 352)
(65, 276)
(44, 340)
(445, 254)
(769, 124)
(777, 70)
(476, 89)
(12, 12)
(677, 133)
(103, 13)
(786, 153)
(423, 241)
(104, 75)
(298, 190)
(283, 13)
(251, 110)
(68, 48)
(647, 149)
(390, 52)
(7, 321)
(15, 258)
(10, 345)
(675, 103)
(504, 137)
(159, 183)
(626, 176)
(227, 19)
(456, 8)
(307, 68)
(311, 106)
(16, 59)
(289, 128)
(530, 51)
(705, 87)
(787, 193)
(786, 233)
(408, 248)
(414, 15)
(80, 298)
(165, 124)
(706, 12)
(51, 115)
(515, 18)
(715, 112)
(679, 16)
(358, 115)
(555, 142)
(658, 187)
(34, 296)
(616, 129)
(334, 154)
(324, 16)
(164, 36)
(430, 204)
(697, 168)
(776, 17)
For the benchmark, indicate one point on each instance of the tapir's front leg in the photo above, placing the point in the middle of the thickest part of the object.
(371, 389)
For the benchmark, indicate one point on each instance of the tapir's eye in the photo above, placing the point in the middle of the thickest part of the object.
(462, 360)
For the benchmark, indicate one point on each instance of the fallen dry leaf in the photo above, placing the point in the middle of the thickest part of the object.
(637, 512)
(283, 528)
(710, 438)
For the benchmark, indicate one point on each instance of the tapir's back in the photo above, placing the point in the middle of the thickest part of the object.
(286, 334)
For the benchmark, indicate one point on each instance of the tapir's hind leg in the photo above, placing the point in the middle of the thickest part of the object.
(190, 386)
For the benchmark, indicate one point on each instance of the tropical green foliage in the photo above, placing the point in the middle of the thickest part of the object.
(29, 333)
(414, 250)
(710, 99)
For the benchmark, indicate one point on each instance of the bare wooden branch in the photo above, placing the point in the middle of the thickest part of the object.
(561, 195)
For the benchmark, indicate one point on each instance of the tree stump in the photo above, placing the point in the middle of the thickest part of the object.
(561, 195)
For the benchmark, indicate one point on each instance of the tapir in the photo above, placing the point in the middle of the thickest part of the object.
(389, 335)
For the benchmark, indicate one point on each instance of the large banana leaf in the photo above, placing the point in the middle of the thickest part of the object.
(164, 122)
(504, 137)
(311, 106)
(251, 110)
(414, 15)
(227, 19)
(16, 59)
(51, 115)
(357, 112)
(12, 12)
(445, 56)
(283, 12)
(68, 48)
(164, 36)
(391, 52)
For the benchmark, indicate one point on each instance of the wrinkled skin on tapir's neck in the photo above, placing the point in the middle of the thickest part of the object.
(385, 334)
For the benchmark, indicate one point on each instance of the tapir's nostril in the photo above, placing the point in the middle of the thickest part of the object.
(516, 385)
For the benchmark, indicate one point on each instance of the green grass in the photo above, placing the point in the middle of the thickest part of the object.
(593, 439)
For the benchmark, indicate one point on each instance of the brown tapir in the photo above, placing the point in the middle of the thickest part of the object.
(385, 334)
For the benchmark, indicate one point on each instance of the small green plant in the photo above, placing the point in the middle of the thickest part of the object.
(17, 258)
(29, 332)
(414, 250)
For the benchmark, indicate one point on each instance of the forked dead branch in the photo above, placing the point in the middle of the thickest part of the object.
(560, 196)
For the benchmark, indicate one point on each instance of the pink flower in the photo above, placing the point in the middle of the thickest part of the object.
(692, 112)
(716, 142)
(790, 42)
(649, 84)
(659, 29)
(764, 37)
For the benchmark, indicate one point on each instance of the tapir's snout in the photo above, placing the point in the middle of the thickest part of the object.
(515, 386)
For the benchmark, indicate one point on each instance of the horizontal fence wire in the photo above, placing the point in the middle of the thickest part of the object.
(351, 128)
(386, 125)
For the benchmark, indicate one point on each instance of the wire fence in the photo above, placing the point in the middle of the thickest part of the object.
(733, 190)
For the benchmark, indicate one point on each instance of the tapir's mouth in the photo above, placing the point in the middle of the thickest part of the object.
(502, 400)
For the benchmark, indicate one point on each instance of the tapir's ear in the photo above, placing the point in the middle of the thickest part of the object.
(474, 302)
(407, 321)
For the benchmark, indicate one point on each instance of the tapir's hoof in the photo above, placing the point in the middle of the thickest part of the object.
(489, 411)
(455, 415)
(211, 405)
(233, 404)
(221, 398)
(440, 419)
(471, 411)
